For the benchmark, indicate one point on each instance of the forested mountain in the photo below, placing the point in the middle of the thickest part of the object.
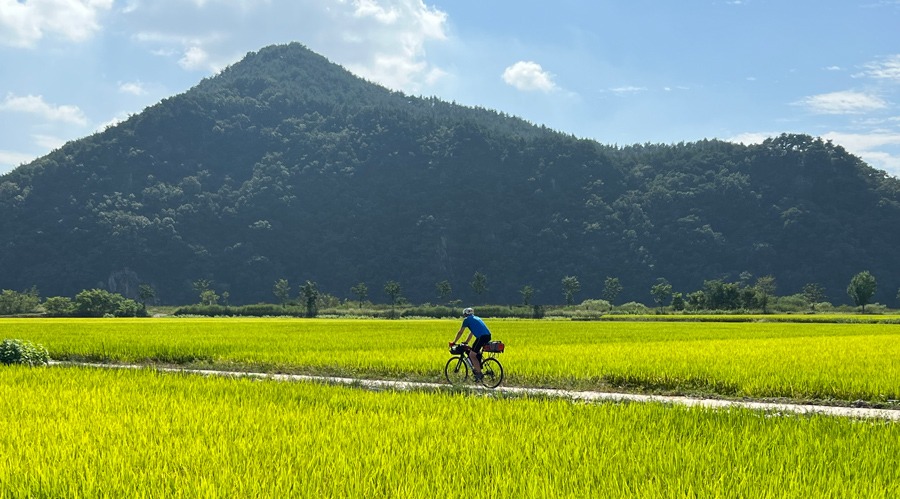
(287, 166)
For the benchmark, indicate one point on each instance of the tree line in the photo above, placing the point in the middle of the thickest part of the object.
(715, 295)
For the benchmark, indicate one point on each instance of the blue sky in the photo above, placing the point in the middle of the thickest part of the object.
(619, 72)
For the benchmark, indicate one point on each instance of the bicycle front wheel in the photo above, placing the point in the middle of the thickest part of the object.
(493, 372)
(456, 371)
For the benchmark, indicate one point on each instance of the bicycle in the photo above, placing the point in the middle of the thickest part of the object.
(457, 369)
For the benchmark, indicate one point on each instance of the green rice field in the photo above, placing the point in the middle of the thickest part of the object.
(82, 432)
(830, 362)
(85, 432)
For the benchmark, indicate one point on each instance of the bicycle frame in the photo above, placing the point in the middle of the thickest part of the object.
(461, 361)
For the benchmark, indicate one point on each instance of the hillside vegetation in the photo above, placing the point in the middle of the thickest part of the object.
(286, 166)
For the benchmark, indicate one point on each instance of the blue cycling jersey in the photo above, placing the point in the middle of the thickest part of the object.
(476, 326)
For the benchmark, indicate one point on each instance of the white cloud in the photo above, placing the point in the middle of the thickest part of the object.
(630, 89)
(133, 88)
(385, 41)
(751, 138)
(34, 104)
(527, 76)
(23, 24)
(381, 40)
(48, 142)
(12, 159)
(194, 58)
(886, 69)
(880, 149)
(847, 102)
(370, 8)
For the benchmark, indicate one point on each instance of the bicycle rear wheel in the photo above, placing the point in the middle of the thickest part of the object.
(456, 371)
(493, 372)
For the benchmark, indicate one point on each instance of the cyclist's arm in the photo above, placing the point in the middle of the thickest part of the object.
(459, 334)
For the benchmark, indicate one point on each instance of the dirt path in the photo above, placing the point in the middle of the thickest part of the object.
(589, 396)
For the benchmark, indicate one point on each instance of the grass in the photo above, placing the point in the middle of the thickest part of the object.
(835, 363)
(77, 432)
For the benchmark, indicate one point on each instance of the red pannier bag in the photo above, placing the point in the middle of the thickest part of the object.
(494, 347)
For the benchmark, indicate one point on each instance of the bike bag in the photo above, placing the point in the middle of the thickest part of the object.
(494, 347)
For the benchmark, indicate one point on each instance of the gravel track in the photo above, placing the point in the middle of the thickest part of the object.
(587, 396)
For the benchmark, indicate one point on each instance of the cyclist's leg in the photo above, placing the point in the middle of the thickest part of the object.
(475, 353)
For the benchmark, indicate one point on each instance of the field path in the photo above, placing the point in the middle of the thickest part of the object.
(588, 396)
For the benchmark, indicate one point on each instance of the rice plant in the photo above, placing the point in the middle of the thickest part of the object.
(78, 432)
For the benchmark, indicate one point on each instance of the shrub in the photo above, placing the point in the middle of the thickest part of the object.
(58, 306)
(631, 307)
(432, 311)
(130, 308)
(23, 352)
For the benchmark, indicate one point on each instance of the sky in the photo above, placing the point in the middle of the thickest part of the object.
(617, 71)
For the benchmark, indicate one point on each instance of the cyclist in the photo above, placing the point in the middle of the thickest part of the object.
(482, 335)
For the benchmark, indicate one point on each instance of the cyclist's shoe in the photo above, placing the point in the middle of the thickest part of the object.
(479, 377)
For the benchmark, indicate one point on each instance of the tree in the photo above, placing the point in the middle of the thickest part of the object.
(282, 291)
(146, 293)
(611, 289)
(100, 302)
(813, 293)
(721, 295)
(765, 287)
(479, 284)
(58, 306)
(310, 293)
(862, 287)
(201, 286)
(392, 289)
(570, 286)
(527, 293)
(661, 291)
(13, 302)
(361, 291)
(443, 290)
(209, 297)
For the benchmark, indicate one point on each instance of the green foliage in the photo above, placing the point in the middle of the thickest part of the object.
(611, 289)
(282, 291)
(861, 288)
(431, 311)
(570, 286)
(361, 291)
(14, 302)
(661, 291)
(392, 289)
(527, 293)
(631, 308)
(102, 303)
(444, 290)
(146, 293)
(310, 293)
(58, 306)
(813, 293)
(479, 283)
(23, 352)
(286, 164)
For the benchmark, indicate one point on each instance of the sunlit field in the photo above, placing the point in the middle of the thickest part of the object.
(81, 432)
(841, 362)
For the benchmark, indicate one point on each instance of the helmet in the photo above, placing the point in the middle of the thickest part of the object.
(468, 311)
